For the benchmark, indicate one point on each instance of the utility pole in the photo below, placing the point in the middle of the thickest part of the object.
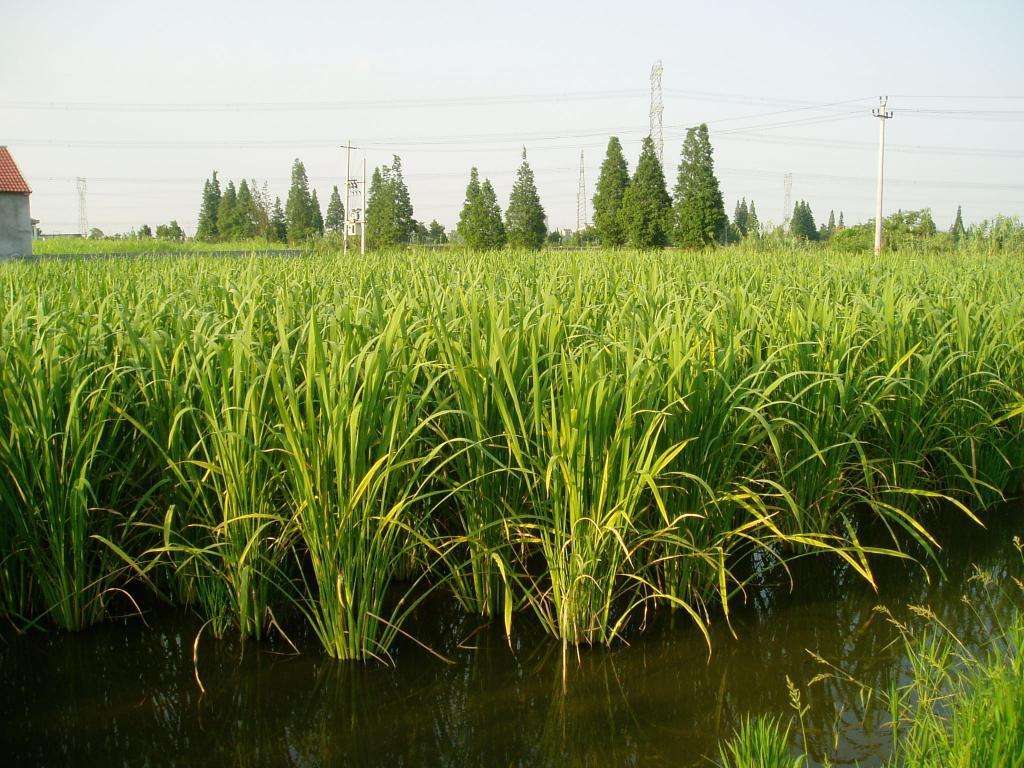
(581, 200)
(787, 199)
(882, 114)
(657, 109)
(83, 221)
(354, 218)
(362, 212)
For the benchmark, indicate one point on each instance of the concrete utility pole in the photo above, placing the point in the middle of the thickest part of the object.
(882, 116)
(354, 190)
(362, 211)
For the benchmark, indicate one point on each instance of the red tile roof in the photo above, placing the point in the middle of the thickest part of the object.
(11, 179)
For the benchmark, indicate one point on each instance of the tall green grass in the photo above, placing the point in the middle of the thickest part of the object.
(585, 437)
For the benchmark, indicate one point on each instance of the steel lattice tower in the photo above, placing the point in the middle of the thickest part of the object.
(657, 109)
(83, 220)
(581, 198)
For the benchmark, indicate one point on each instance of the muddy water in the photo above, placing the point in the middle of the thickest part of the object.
(125, 693)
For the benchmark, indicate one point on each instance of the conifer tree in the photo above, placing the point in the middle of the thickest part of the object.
(524, 220)
(958, 230)
(802, 224)
(404, 222)
(841, 225)
(699, 215)
(206, 229)
(226, 223)
(318, 218)
(753, 224)
(831, 227)
(493, 227)
(611, 187)
(741, 217)
(246, 212)
(335, 219)
(645, 213)
(277, 227)
(381, 216)
(298, 210)
(480, 224)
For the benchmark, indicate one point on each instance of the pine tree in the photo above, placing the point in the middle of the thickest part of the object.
(802, 224)
(524, 219)
(277, 229)
(493, 226)
(742, 217)
(226, 223)
(753, 224)
(958, 230)
(699, 215)
(381, 219)
(404, 222)
(646, 208)
(480, 224)
(335, 220)
(318, 218)
(611, 187)
(246, 213)
(206, 229)
(831, 228)
(298, 210)
(841, 225)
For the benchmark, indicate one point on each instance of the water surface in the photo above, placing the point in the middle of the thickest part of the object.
(125, 693)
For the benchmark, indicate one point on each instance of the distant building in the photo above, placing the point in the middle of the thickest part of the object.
(15, 221)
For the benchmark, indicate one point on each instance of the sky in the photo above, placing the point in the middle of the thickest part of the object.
(145, 99)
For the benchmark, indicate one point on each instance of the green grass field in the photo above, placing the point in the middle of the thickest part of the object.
(577, 436)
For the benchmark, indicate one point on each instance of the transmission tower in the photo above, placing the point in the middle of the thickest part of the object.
(83, 220)
(355, 219)
(882, 114)
(581, 198)
(657, 108)
(787, 198)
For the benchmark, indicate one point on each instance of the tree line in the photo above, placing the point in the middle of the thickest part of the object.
(634, 210)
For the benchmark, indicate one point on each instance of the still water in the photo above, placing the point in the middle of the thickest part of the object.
(125, 694)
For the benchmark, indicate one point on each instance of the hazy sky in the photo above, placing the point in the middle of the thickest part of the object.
(175, 90)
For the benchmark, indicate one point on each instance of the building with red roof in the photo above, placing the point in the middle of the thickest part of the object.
(15, 219)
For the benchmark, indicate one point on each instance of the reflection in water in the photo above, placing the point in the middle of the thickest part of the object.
(124, 693)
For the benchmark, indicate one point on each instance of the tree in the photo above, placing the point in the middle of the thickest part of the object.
(830, 228)
(277, 229)
(298, 210)
(742, 217)
(645, 213)
(611, 187)
(227, 214)
(436, 233)
(525, 226)
(753, 223)
(841, 225)
(480, 224)
(802, 224)
(381, 220)
(247, 215)
(145, 231)
(404, 222)
(172, 231)
(206, 228)
(699, 215)
(958, 230)
(318, 217)
(335, 219)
